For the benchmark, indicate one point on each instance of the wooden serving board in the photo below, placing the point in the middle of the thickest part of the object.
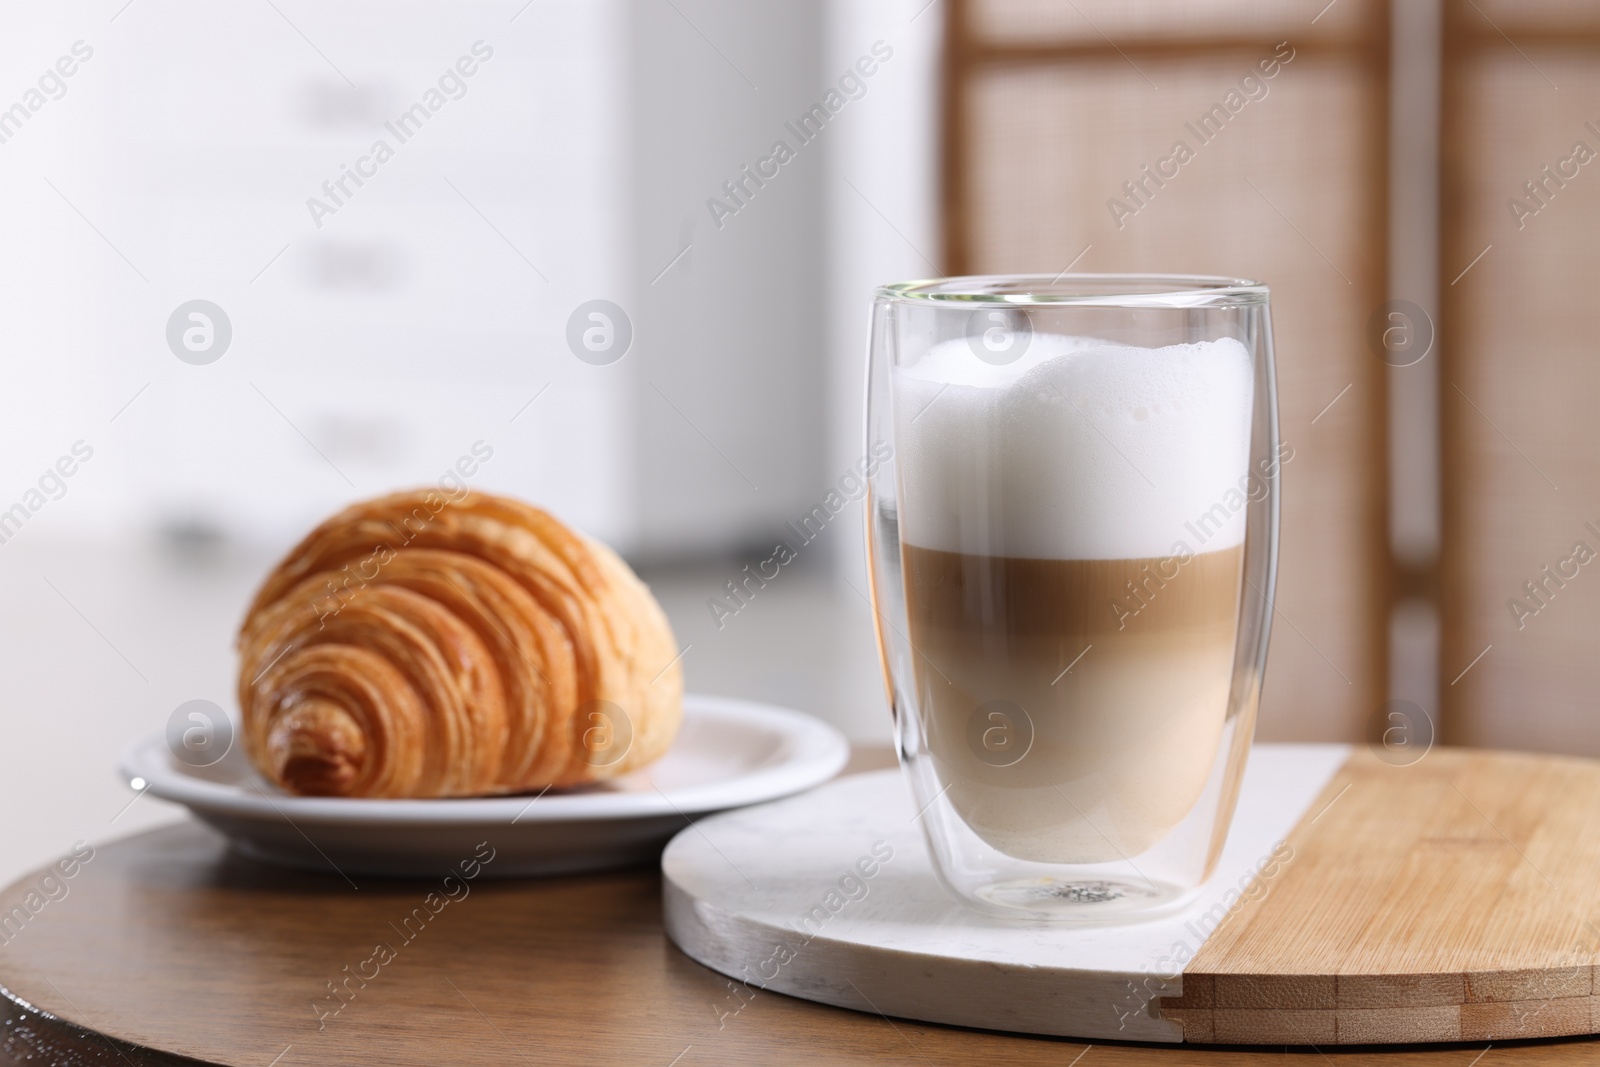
(1454, 899)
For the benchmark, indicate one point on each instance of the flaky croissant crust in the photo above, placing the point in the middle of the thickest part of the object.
(419, 646)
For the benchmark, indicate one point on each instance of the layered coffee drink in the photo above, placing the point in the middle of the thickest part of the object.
(1072, 527)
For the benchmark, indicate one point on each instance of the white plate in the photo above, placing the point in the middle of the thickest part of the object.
(729, 753)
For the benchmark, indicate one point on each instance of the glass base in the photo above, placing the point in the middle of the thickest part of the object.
(1087, 900)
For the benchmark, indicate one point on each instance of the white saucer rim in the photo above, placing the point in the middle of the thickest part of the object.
(816, 752)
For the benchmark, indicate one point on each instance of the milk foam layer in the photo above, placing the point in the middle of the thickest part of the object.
(1081, 449)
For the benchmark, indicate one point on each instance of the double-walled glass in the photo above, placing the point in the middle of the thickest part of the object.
(1072, 555)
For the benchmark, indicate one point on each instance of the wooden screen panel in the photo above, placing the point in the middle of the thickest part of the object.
(1520, 381)
(1522, 19)
(1292, 191)
(1186, 24)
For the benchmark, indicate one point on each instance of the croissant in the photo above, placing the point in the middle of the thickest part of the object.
(422, 646)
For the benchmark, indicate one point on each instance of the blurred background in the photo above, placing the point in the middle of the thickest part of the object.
(581, 248)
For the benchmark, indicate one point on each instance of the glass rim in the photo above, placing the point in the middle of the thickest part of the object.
(1080, 290)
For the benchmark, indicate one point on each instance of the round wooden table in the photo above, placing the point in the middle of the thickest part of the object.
(168, 949)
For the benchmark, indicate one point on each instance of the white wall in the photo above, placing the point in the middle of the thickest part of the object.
(372, 351)
(393, 336)
(882, 209)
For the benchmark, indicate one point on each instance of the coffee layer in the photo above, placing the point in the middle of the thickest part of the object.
(1086, 765)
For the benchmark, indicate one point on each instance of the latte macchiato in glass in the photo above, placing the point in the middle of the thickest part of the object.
(1062, 569)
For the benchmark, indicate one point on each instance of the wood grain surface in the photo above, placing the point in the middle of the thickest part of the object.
(167, 942)
(1454, 899)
